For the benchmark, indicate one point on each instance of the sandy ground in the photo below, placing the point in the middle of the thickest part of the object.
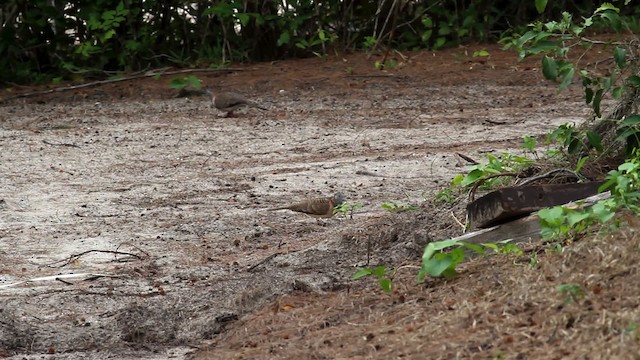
(158, 204)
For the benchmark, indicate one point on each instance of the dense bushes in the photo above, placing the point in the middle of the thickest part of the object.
(53, 39)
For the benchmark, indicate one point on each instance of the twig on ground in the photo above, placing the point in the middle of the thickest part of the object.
(64, 281)
(552, 173)
(472, 193)
(268, 258)
(463, 226)
(60, 144)
(469, 159)
(102, 82)
(75, 257)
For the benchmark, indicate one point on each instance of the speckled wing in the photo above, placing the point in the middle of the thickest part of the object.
(319, 207)
(229, 100)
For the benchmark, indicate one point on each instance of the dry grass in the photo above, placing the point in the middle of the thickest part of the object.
(499, 307)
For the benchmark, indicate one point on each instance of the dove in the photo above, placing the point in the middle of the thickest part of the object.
(316, 207)
(231, 101)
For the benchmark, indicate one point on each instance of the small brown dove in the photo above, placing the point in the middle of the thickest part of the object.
(317, 207)
(230, 101)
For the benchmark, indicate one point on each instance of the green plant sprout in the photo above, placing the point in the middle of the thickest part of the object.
(380, 272)
(184, 82)
(573, 292)
(393, 206)
(437, 263)
(347, 209)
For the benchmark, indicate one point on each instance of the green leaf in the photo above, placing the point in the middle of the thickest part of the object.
(634, 80)
(595, 140)
(480, 53)
(619, 55)
(549, 68)
(606, 6)
(553, 217)
(322, 36)
(567, 78)
(193, 81)
(436, 267)
(544, 46)
(581, 163)
(613, 19)
(587, 22)
(626, 133)
(541, 5)
(427, 22)
(525, 38)
(574, 145)
(260, 20)
(222, 10)
(284, 38)
(426, 35)
(602, 212)
(630, 120)
(608, 82)
(627, 167)
(617, 92)
(613, 174)
(588, 95)
(529, 142)
(386, 285)
(596, 102)
(491, 246)
(379, 271)
(244, 18)
(474, 247)
(472, 177)
(575, 217)
(361, 273)
(178, 83)
(432, 247)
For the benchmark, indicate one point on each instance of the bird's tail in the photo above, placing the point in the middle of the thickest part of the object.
(257, 106)
(278, 208)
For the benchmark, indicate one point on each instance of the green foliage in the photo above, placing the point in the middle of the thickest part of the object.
(346, 209)
(557, 41)
(183, 82)
(393, 206)
(448, 195)
(574, 141)
(45, 39)
(322, 38)
(389, 64)
(624, 184)
(562, 222)
(573, 292)
(529, 143)
(628, 132)
(380, 272)
(481, 53)
(505, 163)
(437, 263)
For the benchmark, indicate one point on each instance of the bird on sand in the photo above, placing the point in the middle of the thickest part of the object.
(316, 207)
(231, 101)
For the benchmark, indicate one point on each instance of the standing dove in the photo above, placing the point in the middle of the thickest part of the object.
(317, 207)
(230, 101)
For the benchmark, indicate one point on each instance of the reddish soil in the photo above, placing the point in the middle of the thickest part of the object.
(155, 209)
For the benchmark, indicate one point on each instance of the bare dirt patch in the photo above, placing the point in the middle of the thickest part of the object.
(181, 195)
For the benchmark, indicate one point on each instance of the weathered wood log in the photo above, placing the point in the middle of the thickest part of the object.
(510, 203)
(526, 229)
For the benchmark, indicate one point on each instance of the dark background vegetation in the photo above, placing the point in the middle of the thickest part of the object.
(44, 40)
